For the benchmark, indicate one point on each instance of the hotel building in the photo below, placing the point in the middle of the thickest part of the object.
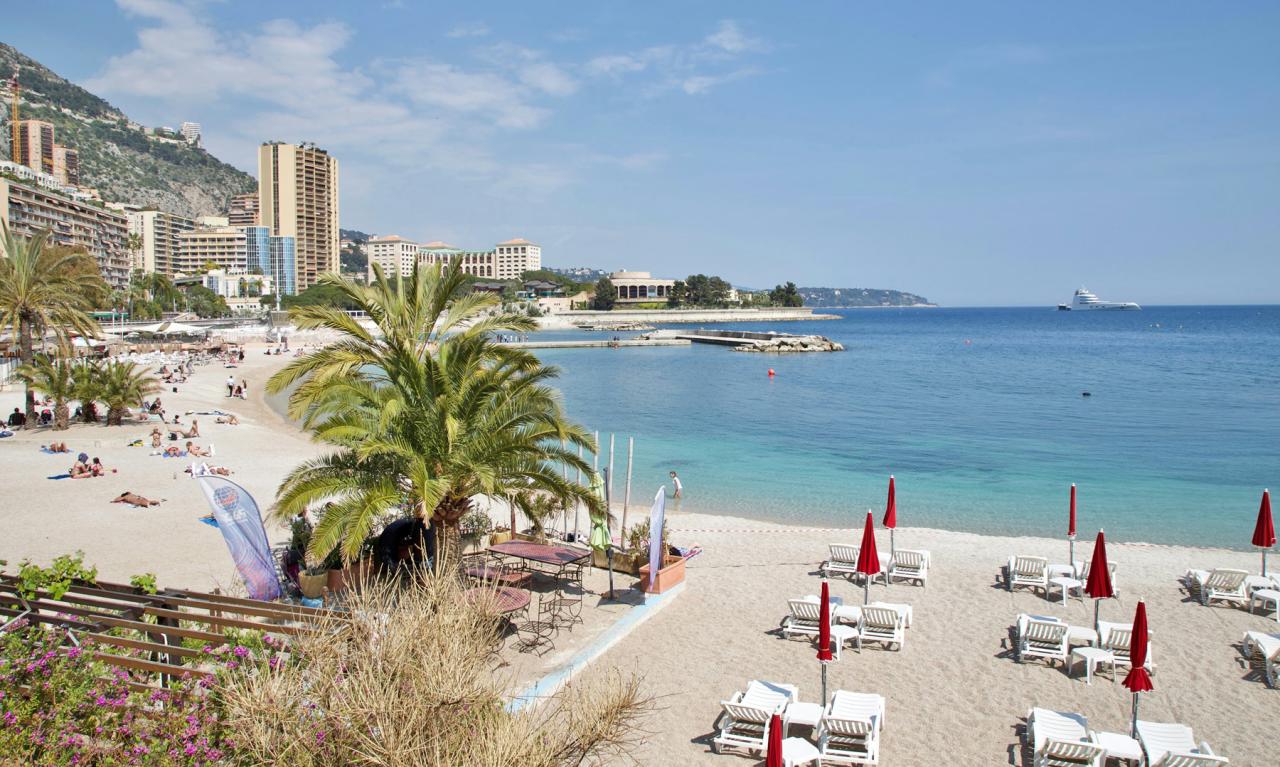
(298, 197)
(506, 261)
(243, 249)
(393, 253)
(29, 209)
(158, 233)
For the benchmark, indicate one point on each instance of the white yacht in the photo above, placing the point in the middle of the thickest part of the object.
(1084, 301)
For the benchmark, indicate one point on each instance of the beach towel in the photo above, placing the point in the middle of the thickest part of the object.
(45, 449)
(209, 521)
(183, 454)
(60, 476)
(6, 433)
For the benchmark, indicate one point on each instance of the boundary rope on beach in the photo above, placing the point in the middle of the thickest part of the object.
(761, 530)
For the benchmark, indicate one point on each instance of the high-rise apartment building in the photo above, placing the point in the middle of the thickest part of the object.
(35, 145)
(243, 210)
(66, 165)
(298, 197)
(393, 253)
(247, 249)
(29, 209)
(159, 240)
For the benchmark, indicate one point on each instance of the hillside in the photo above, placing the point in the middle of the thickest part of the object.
(837, 298)
(116, 156)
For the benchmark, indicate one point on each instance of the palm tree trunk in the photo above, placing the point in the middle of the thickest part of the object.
(26, 353)
(115, 416)
(446, 517)
(61, 416)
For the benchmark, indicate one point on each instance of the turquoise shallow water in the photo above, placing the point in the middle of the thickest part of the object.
(978, 413)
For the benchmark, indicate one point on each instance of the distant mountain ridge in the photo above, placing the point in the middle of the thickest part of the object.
(117, 157)
(840, 298)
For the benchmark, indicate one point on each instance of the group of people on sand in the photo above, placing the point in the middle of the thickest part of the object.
(83, 468)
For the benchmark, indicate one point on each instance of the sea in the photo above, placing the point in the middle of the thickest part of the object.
(1167, 420)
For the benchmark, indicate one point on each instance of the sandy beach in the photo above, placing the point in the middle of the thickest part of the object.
(954, 692)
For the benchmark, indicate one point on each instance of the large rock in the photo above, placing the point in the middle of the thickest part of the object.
(792, 344)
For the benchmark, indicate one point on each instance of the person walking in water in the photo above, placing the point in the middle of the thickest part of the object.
(679, 487)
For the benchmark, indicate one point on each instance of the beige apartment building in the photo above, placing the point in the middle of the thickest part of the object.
(515, 257)
(243, 210)
(35, 145)
(298, 197)
(393, 253)
(66, 165)
(159, 239)
(222, 247)
(29, 209)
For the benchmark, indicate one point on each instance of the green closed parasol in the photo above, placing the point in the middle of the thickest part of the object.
(599, 517)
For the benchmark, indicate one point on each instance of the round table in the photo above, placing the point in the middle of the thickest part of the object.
(506, 600)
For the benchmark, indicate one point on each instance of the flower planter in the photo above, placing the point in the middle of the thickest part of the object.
(474, 543)
(499, 536)
(671, 574)
(313, 586)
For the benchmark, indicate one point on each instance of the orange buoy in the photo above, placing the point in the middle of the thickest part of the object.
(771, 374)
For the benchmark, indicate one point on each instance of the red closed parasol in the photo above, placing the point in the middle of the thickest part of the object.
(773, 757)
(868, 557)
(1099, 584)
(1138, 679)
(824, 635)
(1264, 532)
(891, 514)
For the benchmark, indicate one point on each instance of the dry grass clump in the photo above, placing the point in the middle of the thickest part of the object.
(405, 679)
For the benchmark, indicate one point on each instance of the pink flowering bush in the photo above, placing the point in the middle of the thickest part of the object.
(60, 705)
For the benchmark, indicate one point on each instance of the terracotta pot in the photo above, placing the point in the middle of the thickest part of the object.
(671, 574)
(336, 579)
(313, 586)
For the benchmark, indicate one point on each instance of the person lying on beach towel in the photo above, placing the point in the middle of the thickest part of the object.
(173, 451)
(135, 500)
(197, 451)
(157, 437)
(230, 420)
(205, 468)
(55, 447)
(194, 431)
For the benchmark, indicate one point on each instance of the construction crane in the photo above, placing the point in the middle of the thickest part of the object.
(14, 91)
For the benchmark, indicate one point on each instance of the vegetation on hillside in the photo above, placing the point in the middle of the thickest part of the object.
(835, 298)
(122, 162)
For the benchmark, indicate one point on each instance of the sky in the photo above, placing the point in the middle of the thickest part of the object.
(975, 153)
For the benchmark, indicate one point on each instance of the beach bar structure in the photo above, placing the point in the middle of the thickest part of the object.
(641, 287)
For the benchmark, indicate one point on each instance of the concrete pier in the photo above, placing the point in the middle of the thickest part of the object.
(598, 344)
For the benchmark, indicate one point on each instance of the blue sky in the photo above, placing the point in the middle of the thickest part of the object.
(975, 153)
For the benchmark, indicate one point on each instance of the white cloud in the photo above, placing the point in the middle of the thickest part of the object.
(693, 68)
(469, 29)
(730, 38)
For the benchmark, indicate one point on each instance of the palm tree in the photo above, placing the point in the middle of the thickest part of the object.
(53, 378)
(122, 384)
(45, 289)
(425, 415)
(86, 379)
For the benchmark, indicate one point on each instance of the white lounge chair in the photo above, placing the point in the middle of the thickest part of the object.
(744, 720)
(909, 565)
(1029, 572)
(804, 618)
(1173, 745)
(1116, 638)
(1223, 584)
(881, 624)
(849, 732)
(1060, 738)
(1111, 568)
(843, 560)
(1263, 651)
(1039, 638)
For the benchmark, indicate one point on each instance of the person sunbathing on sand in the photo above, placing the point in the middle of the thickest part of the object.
(80, 469)
(156, 437)
(194, 431)
(58, 447)
(207, 469)
(172, 452)
(196, 450)
(230, 420)
(134, 500)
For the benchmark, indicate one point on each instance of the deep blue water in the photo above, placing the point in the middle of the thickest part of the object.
(978, 413)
